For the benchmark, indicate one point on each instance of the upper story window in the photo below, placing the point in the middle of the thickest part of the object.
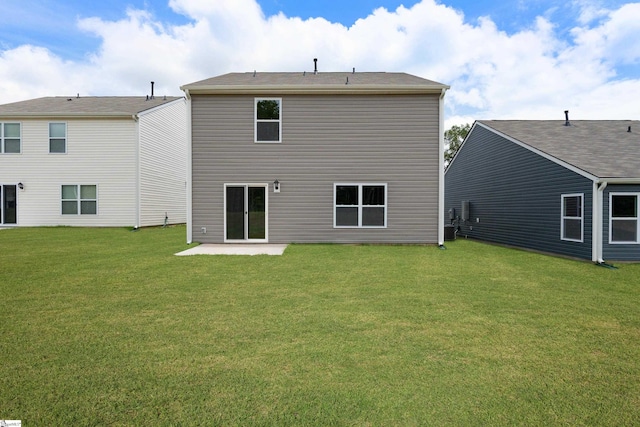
(623, 218)
(268, 119)
(360, 205)
(57, 137)
(572, 217)
(9, 137)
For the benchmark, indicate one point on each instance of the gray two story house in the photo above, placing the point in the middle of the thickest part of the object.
(559, 186)
(315, 157)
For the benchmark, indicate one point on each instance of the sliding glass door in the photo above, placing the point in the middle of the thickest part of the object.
(8, 205)
(246, 213)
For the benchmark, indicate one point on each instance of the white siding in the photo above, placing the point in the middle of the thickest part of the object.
(100, 152)
(163, 164)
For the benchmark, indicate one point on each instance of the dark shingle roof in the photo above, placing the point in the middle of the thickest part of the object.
(65, 106)
(308, 81)
(603, 148)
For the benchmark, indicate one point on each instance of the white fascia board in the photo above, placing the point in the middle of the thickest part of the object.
(634, 181)
(345, 89)
(60, 116)
(541, 153)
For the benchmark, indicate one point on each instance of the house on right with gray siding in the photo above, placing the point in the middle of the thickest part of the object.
(558, 186)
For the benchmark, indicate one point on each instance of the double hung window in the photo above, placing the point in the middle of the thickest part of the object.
(623, 218)
(57, 137)
(572, 217)
(360, 205)
(79, 200)
(268, 123)
(9, 137)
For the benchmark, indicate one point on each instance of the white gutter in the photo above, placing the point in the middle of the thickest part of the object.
(597, 218)
(189, 183)
(441, 170)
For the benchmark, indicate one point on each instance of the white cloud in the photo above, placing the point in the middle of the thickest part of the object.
(32, 72)
(534, 73)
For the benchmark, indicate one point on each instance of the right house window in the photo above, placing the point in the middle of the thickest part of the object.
(623, 218)
(572, 217)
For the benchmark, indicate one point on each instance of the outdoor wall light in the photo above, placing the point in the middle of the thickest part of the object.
(276, 186)
(21, 186)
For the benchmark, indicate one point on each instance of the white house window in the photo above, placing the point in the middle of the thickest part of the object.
(360, 205)
(79, 200)
(9, 137)
(57, 137)
(572, 217)
(623, 218)
(268, 123)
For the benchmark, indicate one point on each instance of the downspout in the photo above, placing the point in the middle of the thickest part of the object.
(136, 118)
(597, 215)
(188, 184)
(441, 171)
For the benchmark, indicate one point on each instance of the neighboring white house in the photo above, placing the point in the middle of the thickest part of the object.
(93, 161)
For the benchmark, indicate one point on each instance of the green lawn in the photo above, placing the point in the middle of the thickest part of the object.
(108, 327)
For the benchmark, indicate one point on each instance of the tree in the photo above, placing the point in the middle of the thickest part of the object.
(453, 140)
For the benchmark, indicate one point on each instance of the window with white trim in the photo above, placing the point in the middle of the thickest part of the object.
(57, 137)
(623, 218)
(9, 137)
(360, 206)
(79, 200)
(572, 224)
(268, 120)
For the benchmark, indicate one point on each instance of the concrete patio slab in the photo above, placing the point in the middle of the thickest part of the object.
(231, 249)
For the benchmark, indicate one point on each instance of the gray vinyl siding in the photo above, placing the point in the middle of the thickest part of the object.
(514, 195)
(617, 252)
(325, 140)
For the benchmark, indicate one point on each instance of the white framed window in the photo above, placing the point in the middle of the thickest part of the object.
(57, 138)
(79, 199)
(623, 218)
(572, 221)
(360, 205)
(268, 120)
(10, 138)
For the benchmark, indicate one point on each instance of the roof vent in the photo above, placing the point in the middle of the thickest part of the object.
(566, 118)
(152, 83)
(629, 129)
(315, 65)
(254, 73)
(347, 80)
(354, 70)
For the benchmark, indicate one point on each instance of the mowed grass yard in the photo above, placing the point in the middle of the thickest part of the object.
(108, 327)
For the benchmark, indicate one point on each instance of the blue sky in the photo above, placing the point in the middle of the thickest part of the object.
(516, 57)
